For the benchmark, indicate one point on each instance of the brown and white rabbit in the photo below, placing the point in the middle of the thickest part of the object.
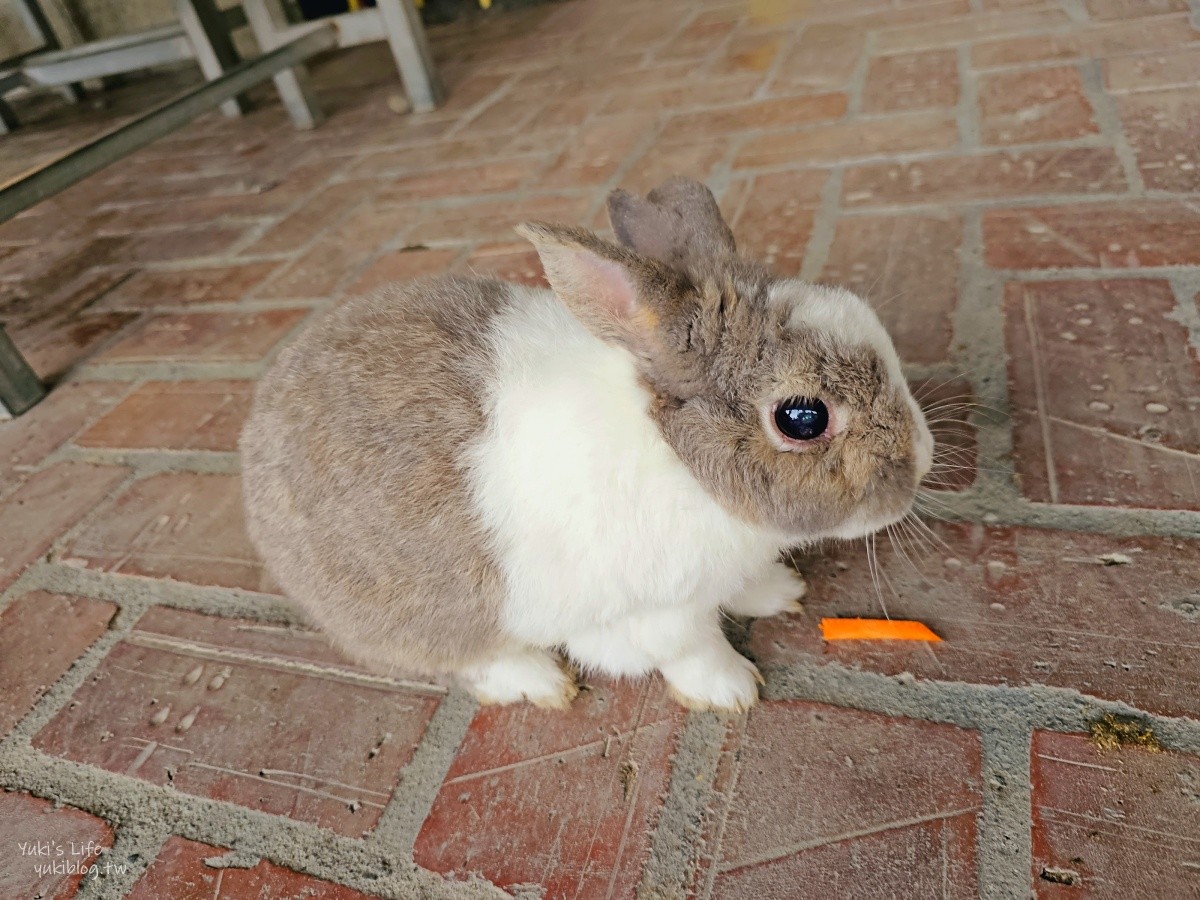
(465, 476)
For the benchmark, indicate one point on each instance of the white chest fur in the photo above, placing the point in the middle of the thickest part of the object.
(593, 515)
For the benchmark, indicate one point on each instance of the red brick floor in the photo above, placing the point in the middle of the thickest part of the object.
(1014, 183)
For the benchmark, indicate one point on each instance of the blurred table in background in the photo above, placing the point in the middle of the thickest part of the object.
(202, 33)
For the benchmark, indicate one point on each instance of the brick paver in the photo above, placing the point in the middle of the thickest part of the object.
(27, 441)
(47, 504)
(183, 526)
(819, 791)
(205, 337)
(180, 702)
(566, 801)
(183, 287)
(175, 415)
(1013, 184)
(1015, 607)
(1125, 821)
(47, 850)
(1103, 379)
(1125, 235)
(41, 635)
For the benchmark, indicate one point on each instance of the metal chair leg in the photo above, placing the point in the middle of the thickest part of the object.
(20, 388)
(8, 118)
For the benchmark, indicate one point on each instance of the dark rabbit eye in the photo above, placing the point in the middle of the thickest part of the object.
(802, 418)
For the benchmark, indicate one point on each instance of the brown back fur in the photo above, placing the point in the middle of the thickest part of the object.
(354, 492)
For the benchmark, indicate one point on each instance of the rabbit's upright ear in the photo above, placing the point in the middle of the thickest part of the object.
(677, 223)
(619, 295)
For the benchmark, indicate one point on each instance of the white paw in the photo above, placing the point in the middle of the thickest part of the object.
(720, 679)
(779, 591)
(534, 675)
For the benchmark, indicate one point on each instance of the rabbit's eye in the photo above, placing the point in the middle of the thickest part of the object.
(802, 418)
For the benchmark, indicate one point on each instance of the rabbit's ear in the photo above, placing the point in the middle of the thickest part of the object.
(617, 294)
(677, 223)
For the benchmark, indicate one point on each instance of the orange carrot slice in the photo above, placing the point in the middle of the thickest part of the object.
(876, 630)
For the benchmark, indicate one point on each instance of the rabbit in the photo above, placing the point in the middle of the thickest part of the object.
(464, 477)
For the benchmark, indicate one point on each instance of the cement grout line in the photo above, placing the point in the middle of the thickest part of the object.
(348, 278)
(147, 461)
(1076, 10)
(931, 371)
(466, 201)
(972, 41)
(1094, 273)
(1039, 390)
(984, 204)
(995, 509)
(1091, 141)
(979, 349)
(232, 307)
(704, 891)
(675, 844)
(255, 233)
(191, 263)
(297, 254)
(1004, 841)
(469, 115)
(824, 227)
(856, 87)
(390, 174)
(247, 221)
(1187, 311)
(142, 592)
(173, 371)
(720, 174)
(786, 49)
(105, 345)
(966, 113)
(1002, 709)
(649, 56)
(1109, 121)
(422, 778)
(705, 64)
(136, 844)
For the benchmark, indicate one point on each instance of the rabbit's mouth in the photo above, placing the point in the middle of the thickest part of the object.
(864, 523)
(889, 499)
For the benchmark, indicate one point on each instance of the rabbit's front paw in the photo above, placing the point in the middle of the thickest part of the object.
(714, 679)
(535, 675)
(780, 591)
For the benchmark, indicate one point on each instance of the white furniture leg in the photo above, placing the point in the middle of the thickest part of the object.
(210, 39)
(266, 20)
(406, 37)
(36, 23)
